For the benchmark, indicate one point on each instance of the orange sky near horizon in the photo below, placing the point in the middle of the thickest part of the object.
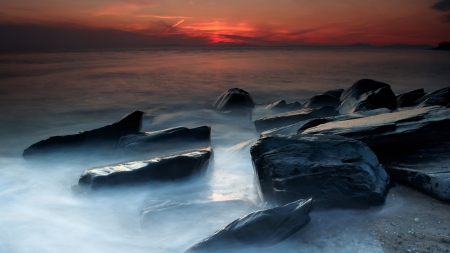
(261, 22)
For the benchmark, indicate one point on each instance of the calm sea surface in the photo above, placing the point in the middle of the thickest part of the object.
(52, 93)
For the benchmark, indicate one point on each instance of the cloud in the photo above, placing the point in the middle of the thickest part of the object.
(443, 5)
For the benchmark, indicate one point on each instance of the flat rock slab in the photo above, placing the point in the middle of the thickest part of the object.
(167, 140)
(391, 134)
(289, 118)
(261, 228)
(334, 170)
(303, 125)
(98, 142)
(165, 168)
(427, 168)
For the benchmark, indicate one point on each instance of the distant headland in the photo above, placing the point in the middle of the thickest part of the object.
(443, 46)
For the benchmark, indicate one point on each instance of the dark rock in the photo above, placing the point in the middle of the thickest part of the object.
(388, 135)
(289, 118)
(409, 98)
(260, 228)
(233, 99)
(367, 94)
(303, 125)
(295, 106)
(98, 142)
(427, 168)
(335, 93)
(164, 168)
(334, 170)
(439, 97)
(322, 100)
(443, 46)
(172, 139)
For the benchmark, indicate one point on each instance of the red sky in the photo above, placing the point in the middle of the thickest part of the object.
(262, 22)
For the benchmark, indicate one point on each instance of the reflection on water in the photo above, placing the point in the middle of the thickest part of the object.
(45, 94)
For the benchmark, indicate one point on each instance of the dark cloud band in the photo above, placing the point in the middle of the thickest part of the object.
(443, 5)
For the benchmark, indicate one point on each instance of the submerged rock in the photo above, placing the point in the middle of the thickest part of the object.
(164, 168)
(171, 139)
(367, 94)
(409, 98)
(211, 213)
(389, 135)
(334, 170)
(98, 142)
(439, 97)
(234, 99)
(335, 93)
(427, 168)
(260, 228)
(303, 125)
(322, 100)
(289, 118)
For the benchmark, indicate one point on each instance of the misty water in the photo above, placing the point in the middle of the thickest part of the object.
(43, 94)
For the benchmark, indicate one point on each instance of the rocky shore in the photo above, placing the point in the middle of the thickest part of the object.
(368, 160)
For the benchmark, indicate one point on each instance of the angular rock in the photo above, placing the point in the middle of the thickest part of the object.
(409, 98)
(260, 228)
(367, 94)
(389, 135)
(164, 168)
(294, 106)
(167, 140)
(427, 168)
(439, 97)
(233, 99)
(303, 125)
(335, 93)
(98, 142)
(289, 118)
(334, 170)
(322, 100)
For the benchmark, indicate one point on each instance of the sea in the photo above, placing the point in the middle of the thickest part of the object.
(48, 93)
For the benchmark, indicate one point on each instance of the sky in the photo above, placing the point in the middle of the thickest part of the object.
(217, 22)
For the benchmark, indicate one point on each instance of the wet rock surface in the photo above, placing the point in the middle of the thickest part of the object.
(98, 142)
(322, 100)
(289, 118)
(261, 228)
(438, 97)
(167, 140)
(367, 94)
(164, 168)
(409, 98)
(303, 125)
(335, 171)
(390, 135)
(427, 168)
(234, 99)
